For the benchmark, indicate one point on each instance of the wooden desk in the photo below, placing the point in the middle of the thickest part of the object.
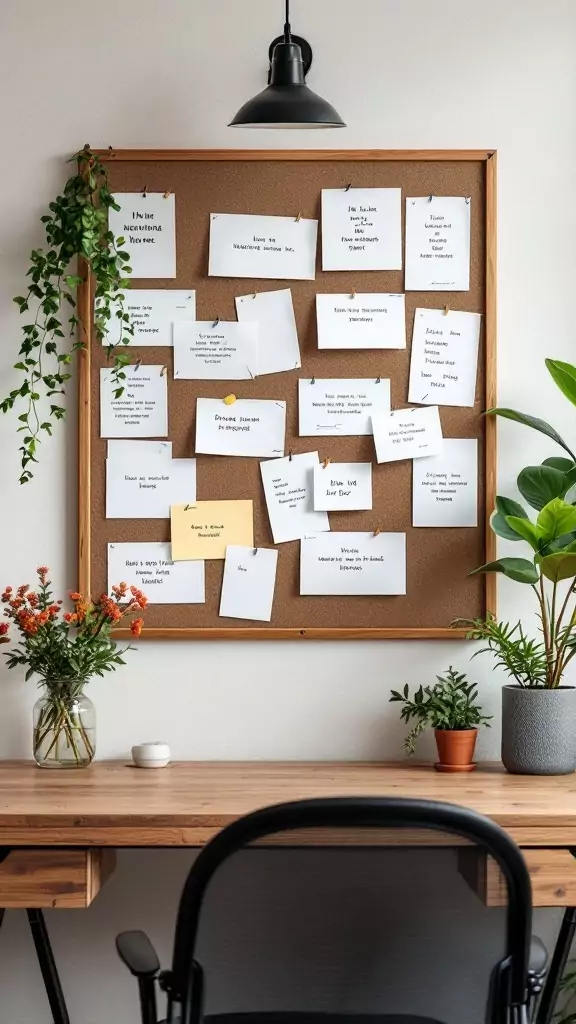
(113, 804)
(61, 827)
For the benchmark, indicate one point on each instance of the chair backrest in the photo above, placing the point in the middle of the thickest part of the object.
(355, 813)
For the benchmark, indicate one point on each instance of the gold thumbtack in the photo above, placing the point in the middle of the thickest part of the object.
(298, 218)
(326, 463)
(446, 310)
(167, 194)
(377, 531)
(229, 400)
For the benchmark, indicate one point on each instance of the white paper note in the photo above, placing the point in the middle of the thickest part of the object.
(361, 229)
(243, 245)
(445, 487)
(142, 409)
(341, 407)
(353, 563)
(131, 451)
(147, 488)
(371, 320)
(248, 583)
(147, 223)
(444, 359)
(437, 244)
(250, 427)
(149, 567)
(343, 487)
(407, 434)
(278, 348)
(225, 350)
(152, 312)
(289, 491)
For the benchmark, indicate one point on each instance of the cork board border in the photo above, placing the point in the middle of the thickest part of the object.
(300, 171)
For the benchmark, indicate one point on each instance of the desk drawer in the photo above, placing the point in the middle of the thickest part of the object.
(53, 878)
(552, 872)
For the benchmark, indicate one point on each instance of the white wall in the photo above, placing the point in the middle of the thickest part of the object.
(140, 73)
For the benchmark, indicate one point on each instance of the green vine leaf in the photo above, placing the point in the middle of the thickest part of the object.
(77, 226)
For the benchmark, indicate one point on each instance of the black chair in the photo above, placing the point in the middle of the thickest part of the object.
(515, 981)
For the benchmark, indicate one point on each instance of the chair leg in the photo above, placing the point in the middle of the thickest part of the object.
(559, 959)
(48, 966)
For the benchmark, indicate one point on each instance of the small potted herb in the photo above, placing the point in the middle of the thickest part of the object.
(450, 707)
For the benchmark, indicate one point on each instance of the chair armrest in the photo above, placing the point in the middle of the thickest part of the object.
(137, 952)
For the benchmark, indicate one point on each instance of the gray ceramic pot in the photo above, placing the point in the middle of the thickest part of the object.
(539, 730)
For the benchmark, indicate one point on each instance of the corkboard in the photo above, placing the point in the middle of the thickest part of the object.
(438, 560)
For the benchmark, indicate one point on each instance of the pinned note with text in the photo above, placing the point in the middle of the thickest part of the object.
(203, 529)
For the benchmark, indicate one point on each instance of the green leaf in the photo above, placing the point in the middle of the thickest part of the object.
(557, 462)
(564, 376)
(532, 421)
(559, 566)
(518, 569)
(540, 484)
(506, 507)
(525, 529)
(556, 519)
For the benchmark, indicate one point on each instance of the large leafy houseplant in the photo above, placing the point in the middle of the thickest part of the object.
(75, 228)
(539, 710)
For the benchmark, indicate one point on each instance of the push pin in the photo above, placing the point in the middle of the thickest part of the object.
(446, 310)
(298, 218)
(255, 551)
(348, 187)
(377, 531)
(290, 454)
(430, 198)
(326, 463)
(378, 380)
(229, 400)
(167, 194)
(144, 191)
(216, 322)
(353, 296)
(313, 381)
(137, 364)
(163, 371)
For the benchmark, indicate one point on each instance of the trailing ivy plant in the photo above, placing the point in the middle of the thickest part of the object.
(77, 226)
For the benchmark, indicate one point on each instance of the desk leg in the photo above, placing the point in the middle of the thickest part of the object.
(48, 966)
(559, 959)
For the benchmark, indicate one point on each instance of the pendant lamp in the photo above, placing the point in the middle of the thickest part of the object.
(287, 102)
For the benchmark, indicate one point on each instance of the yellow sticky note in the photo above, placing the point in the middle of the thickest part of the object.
(205, 528)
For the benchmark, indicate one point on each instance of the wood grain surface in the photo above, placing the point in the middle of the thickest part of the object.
(115, 804)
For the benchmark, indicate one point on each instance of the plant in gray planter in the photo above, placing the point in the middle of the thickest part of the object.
(538, 709)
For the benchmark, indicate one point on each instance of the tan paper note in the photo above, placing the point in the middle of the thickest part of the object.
(204, 529)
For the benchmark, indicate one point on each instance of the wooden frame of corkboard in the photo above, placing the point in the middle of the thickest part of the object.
(277, 182)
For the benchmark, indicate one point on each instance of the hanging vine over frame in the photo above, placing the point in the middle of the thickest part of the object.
(77, 226)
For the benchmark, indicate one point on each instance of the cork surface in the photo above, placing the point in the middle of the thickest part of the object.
(438, 560)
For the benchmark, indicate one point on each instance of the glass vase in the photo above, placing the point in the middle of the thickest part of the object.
(64, 734)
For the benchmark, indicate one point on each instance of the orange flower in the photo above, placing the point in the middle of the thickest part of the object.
(70, 617)
(42, 570)
(32, 599)
(136, 627)
(22, 589)
(53, 610)
(119, 591)
(6, 594)
(16, 602)
(42, 618)
(139, 597)
(4, 627)
(75, 596)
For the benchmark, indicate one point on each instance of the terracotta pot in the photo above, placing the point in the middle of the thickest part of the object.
(455, 749)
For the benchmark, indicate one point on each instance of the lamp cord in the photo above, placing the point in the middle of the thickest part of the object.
(287, 32)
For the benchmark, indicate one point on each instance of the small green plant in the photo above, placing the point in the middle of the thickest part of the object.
(450, 703)
(77, 226)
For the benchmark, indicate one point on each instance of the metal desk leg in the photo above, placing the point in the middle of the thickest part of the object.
(48, 966)
(559, 959)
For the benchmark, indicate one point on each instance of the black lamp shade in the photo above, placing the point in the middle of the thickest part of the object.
(287, 102)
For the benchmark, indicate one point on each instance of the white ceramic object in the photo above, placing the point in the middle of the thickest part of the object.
(151, 755)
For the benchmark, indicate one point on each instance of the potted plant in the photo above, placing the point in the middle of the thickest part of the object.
(450, 707)
(65, 649)
(538, 707)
